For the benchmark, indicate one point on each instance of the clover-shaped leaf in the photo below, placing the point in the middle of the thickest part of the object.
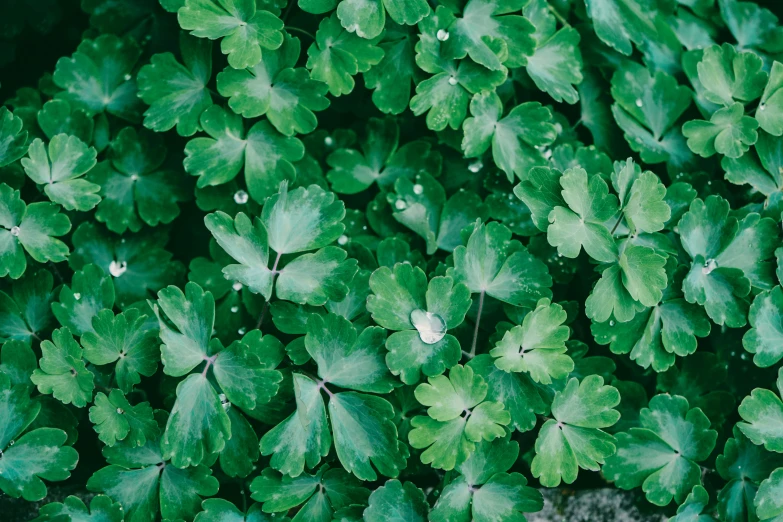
(492, 263)
(62, 372)
(29, 228)
(516, 139)
(762, 412)
(177, 92)
(116, 419)
(729, 76)
(292, 222)
(537, 346)
(13, 140)
(265, 154)
(97, 78)
(459, 417)
(244, 29)
(26, 312)
(728, 258)
(421, 315)
(91, 291)
(729, 132)
(276, 88)
(574, 438)
(661, 456)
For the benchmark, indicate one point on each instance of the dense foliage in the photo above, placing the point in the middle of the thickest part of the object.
(391, 261)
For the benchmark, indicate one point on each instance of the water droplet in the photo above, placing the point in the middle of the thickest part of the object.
(342, 240)
(127, 77)
(431, 327)
(558, 128)
(242, 331)
(400, 204)
(237, 287)
(117, 269)
(762, 107)
(611, 323)
(709, 266)
(134, 177)
(442, 35)
(234, 309)
(11, 442)
(119, 411)
(240, 197)
(639, 102)
(418, 189)
(475, 166)
(452, 80)
(77, 295)
(15, 231)
(328, 141)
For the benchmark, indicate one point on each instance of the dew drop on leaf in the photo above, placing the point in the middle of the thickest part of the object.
(442, 35)
(117, 269)
(240, 197)
(15, 231)
(431, 327)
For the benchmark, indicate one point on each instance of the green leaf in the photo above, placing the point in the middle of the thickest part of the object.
(35, 455)
(574, 438)
(27, 311)
(396, 501)
(241, 451)
(646, 108)
(102, 509)
(655, 335)
(320, 494)
(768, 500)
(138, 263)
(537, 346)
(694, 507)
(62, 371)
(556, 64)
(97, 78)
(186, 321)
(391, 78)
(91, 291)
(337, 56)
(729, 76)
(67, 159)
(381, 160)
(580, 224)
(729, 132)
(490, 35)
(58, 117)
(219, 510)
(347, 358)
(661, 456)
(729, 257)
(762, 412)
(274, 87)
(265, 154)
(116, 419)
(618, 23)
(541, 193)
(29, 228)
(642, 197)
(244, 30)
(516, 139)
(304, 437)
(124, 340)
(135, 187)
(17, 361)
(743, 465)
(421, 314)
(764, 177)
(448, 399)
(494, 264)
(13, 141)
(177, 92)
(765, 337)
(516, 391)
(246, 373)
(198, 425)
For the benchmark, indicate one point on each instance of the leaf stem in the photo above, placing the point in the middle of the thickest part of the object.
(290, 28)
(558, 15)
(472, 352)
(619, 219)
(266, 303)
(210, 362)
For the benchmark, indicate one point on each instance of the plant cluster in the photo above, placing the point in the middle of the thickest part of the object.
(393, 260)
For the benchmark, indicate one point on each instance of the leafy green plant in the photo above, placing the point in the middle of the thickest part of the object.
(333, 260)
